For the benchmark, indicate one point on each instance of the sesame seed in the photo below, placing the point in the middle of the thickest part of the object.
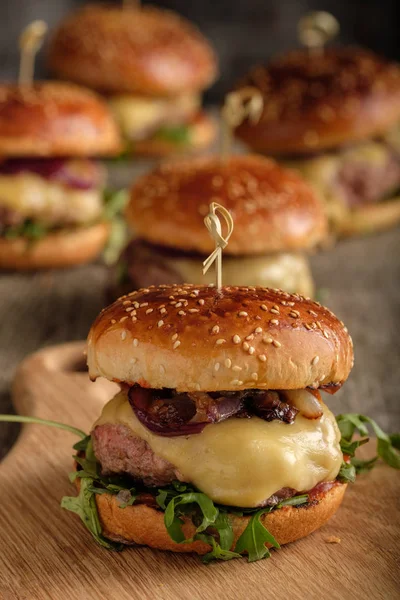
(178, 304)
(294, 314)
(134, 319)
(181, 313)
(263, 307)
(251, 350)
(236, 382)
(258, 330)
(307, 326)
(254, 376)
(173, 303)
(133, 361)
(273, 310)
(126, 302)
(194, 310)
(162, 369)
(215, 329)
(149, 311)
(245, 346)
(319, 325)
(143, 304)
(236, 339)
(176, 344)
(129, 309)
(326, 334)
(220, 341)
(228, 363)
(160, 323)
(201, 301)
(216, 367)
(136, 342)
(290, 303)
(174, 337)
(163, 310)
(262, 357)
(113, 321)
(274, 322)
(123, 335)
(313, 313)
(122, 319)
(315, 360)
(136, 304)
(250, 337)
(267, 340)
(276, 343)
(236, 368)
(243, 313)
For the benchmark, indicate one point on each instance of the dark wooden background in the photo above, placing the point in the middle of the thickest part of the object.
(243, 32)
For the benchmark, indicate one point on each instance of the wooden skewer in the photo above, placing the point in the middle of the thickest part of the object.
(245, 103)
(213, 224)
(316, 29)
(30, 42)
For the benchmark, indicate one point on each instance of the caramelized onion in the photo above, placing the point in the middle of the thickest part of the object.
(82, 174)
(307, 402)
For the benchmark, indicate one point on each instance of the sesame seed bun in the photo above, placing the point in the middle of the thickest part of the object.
(145, 51)
(65, 248)
(202, 131)
(144, 525)
(316, 101)
(55, 119)
(195, 338)
(273, 208)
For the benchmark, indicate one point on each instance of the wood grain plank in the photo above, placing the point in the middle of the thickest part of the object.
(47, 554)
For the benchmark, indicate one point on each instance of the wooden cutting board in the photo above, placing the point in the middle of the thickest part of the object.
(47, 554)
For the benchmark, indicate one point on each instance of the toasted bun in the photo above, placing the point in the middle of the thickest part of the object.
(202, 133)
(55, 119)
(181, 337)
(143, 51)
(141, 524)
(319, 101)
(61, 249)
(272, 207)
(369, 218)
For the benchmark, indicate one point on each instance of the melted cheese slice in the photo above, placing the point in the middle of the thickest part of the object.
(139, 116)
(289, 272)
(51, 203)
(241, 462)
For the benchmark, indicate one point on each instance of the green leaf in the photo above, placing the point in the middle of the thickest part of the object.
(37, 420)
(82, 444)
(114, 203)
(84, 505)
(362, 466)
(178, 134)
(294, 501)
(217, 552)
(174, 508)
(225, 531)
(350, 448)
(254, 538)
(31, 230)
(347, 473)
(387, 449)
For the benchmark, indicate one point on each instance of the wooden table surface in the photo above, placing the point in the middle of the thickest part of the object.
(360, 281)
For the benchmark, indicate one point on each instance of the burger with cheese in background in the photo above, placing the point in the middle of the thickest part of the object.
(52, 211)
(334, 115)
(151, 64)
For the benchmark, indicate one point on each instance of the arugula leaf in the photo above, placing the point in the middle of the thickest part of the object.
(217, 552)
(82, 444)
(39, 421)
(84, 505)
(387, 446)
(362, 466)
(32, 230)
(114, 203)
(179, 134)
(350, 448)
(254, 538)
(172, 521)
(347, 473)
(294, 501)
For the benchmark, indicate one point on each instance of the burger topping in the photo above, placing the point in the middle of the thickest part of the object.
(229, 460)
(53, 193)
(169, 413)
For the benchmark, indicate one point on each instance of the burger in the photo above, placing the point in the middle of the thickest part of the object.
(277, 218)
(51, 191)
(334, 116)
(152, 65)
(219, 441)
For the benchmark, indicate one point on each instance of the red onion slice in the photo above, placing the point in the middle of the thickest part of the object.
(82, 174)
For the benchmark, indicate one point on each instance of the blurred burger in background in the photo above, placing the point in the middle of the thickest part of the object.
(277, 218)
(152, 65)
(334, 115)
(52, 211)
